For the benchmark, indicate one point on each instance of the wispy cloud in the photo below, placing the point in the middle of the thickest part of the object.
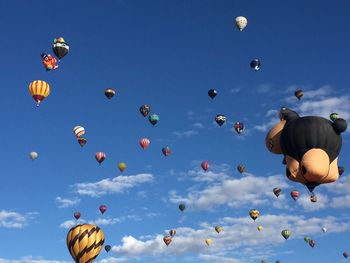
(66, 202)
(263, 88)
(235, 90)
(118, 184)
(185, 134)
(30, 259)
(10, 219)
(198, 125)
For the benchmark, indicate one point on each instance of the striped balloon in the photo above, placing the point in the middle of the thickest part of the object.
(78, 131)
(39, 90)
(144, 142)
(85, 242)
(100, 157)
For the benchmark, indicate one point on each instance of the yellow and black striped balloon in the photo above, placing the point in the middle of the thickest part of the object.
(85, 242)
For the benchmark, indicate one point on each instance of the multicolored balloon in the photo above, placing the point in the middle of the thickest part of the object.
(167, 240)
(144, 143)
(77, 215)
(212, 93)
(313, 198)
(172, 232)
(312, 243)
(100, 157)
(103, 209)
(109, 93)
(85, 242)
(239, 127)
(78, 131)
(153, 119)
(255, 64)
(334, 116)
(294, 194)
(277, 191)
(286, 233)
(60, 47)
(220, 119)
(49, 62)
(345, 254)
(299, 93)
(166, 151)
(254, 214)
(82, 141)
(218, 229)
(145, 109)
(241, 168)
(39, 90)
(241, 22)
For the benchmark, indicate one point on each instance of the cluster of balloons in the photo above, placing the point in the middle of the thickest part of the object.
(169, 238)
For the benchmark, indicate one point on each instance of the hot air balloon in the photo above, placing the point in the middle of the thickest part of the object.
(307, 239)
(254, 214)
(182, 207)
(220, 119)
(60, 47)
(78, 131)
(167, 240)
(313, 198)
(166, 151)
(145, 109)
(212, 93)
(121, 167)
(205, 165)
(286, 233)
(39, 90)
(294, 194)
(49, 62)
(77, 215)
(255, 64)
(85, 242)
(100, 157)
(208, 241)
(109, 93)
(153, 119)
(33, 155)
(260, 228)
(103, 209)
(310, 145)
(144, 142)
(298, 93)
(324, 229)
(172, 232)
(82, 141)
(341, 170)
(241, 22)
(277, 191)
(218, 229)
(334, 116)
(312, 243)
(239, 127)
(241, 168)
(107, 248)
(345, 254)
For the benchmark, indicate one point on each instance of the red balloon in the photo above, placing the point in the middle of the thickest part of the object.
(77, 215)
(144, 142)
(294, 194)
(100, 157)
(205, 165)
(167, 240)
(103, 209)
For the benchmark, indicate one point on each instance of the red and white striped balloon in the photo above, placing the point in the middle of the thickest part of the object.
(100, 157)
(144, 142)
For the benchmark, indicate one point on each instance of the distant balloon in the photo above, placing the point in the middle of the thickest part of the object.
(341, 170)
(241, 22)
(166, 151)
(144, 143)
(212, 93)
(77, 215)
(220, 119)
(39, 90)
(172, 232)
(218, 229)
(264, 261)
(294, 194)
(208, 241)
(107, 248)
(103, 209)
(205, 165)
(85, 242)
(100, 157)
(167, 240)
(255, 64)
(312, 243)
(298, 93)
(33, 155)
(182, 207)
(82, 141)
(241, 168)
(78, 131)
(239, 127)
(313, 198)
(324, 229)
(277, 191)
(286, 233)
(60, 47)
(145, 109)
(49, 62)
(260, 228)
(279, 261)
(153, 119)
(122, 167)
(345, 254)
(307, 239)
(109, 93)
(254, 214)
(334, 116)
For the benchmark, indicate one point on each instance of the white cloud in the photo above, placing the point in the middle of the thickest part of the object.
(263, 88)
(70, 223)
(30, 259)
(267, 125)
(186, 134)
(198, 125)
(218, 259)
(110, 186)
(10, 219)
(66, 202)
(235, 90)
(304, 201)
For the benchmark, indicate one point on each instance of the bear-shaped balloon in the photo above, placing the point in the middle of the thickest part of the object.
(310, 146)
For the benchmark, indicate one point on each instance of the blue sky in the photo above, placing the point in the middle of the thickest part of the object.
(168, 54)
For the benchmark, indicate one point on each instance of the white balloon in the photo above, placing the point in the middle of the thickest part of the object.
(33, 155)
(241, 22)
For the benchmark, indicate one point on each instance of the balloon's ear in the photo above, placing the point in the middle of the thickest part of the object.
(287, 114)
(272, 140)
(340, 125)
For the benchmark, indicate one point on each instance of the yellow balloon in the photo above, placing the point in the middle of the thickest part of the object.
(85, 242)
(260, 228)
(121, 166)
(208, 241)
(39, 90)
